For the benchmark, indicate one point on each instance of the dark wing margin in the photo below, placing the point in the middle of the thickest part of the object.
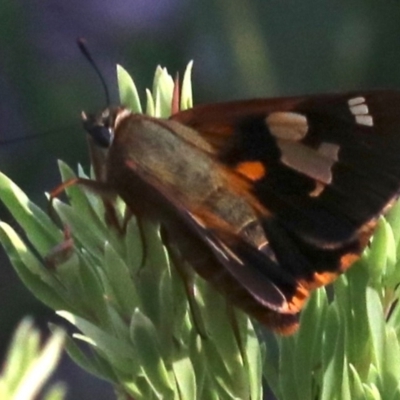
(331, 162)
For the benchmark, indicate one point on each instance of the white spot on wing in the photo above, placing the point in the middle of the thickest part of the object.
(314, 163)
(364, 120)
(359, 109)
(355, 101)
(287, 125)
(329, 150)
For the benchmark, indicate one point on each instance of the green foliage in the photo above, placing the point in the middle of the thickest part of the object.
(29, 364)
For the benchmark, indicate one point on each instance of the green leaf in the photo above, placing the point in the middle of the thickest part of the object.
(307, 358)
(376, 320)
(335, 370)
(382, 251)
(58, 391)
(93, 293)
(28, 365)
(187, 95)
(85, 234)
(89, 204)
(253, 362)
(41, 368)
(120, 280)
(372, 392)
(271, 366)
(357, 326)
(287, 373)
(357, 388)
(92, 365)
(39, 228)
(331, 336)
(149, 279)
(391, 365)
(144, 336)
(120, 353)
(134, 246)
(393, 218)
(163, 87)
(38, 279)
(128, 93)
(150, 104)
(185, 378)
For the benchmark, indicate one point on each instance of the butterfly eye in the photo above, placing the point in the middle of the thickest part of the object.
(99, 127)
(102, 136)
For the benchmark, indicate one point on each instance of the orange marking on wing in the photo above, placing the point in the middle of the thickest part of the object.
(286, 330)
(279, 322)
(252, 170)
(322, 279)
(242, 185)
(297, 301)
(325, 278)
(348, 260)
(366, 231)
(319, 188)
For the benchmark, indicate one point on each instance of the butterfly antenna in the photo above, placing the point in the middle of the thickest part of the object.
(50, 132)
(85, 51)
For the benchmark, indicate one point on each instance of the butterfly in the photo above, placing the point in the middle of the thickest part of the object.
(266, 199)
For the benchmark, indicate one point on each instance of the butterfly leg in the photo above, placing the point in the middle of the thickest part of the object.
(100, 188)
(60, 253)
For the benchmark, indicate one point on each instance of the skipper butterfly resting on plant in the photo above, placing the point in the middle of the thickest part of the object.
(267, 199)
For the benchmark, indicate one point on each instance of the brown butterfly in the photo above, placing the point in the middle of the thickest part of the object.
(266, 199)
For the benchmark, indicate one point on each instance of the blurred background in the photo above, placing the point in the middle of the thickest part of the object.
(241, 49)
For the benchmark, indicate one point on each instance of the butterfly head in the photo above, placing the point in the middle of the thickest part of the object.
(101, 126)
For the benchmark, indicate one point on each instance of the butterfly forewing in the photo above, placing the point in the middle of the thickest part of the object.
(329, 164)
(327, 168)
(267, 199)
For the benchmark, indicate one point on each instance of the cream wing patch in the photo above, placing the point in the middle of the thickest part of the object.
(359, 108)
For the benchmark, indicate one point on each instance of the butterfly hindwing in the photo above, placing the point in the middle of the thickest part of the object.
(267, 199)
